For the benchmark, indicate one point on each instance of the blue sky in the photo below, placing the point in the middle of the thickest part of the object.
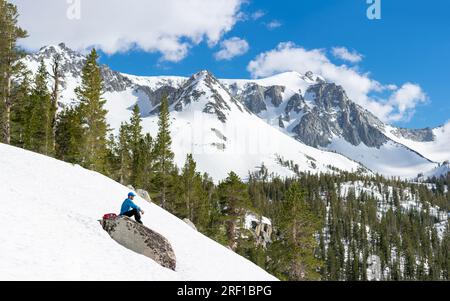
(411, 43)
(402, 76)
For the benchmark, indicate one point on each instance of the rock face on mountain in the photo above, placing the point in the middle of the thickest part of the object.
(418, 135)
(253, 98)
(141, 239)
(295, 104)
(323, 112)
(274, 93)
(256, 97)
(334, 114)
(156, 96)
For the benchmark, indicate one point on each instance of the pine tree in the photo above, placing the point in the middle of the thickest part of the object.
(234, 200)
(93, 115)
(124, 154)
(163, 155)
(191, 197)
(137, 148)
(69, 136)
(39, 134)
(208, 218)
(298, 226)
(20, 110)
(143, 161)
(112, 159)
(10, 33)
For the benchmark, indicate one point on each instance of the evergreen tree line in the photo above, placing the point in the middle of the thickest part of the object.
(353, 228)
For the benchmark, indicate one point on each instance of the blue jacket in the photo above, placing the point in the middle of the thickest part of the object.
(127, 205)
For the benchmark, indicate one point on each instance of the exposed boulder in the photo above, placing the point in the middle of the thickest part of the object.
(190, 224)
(144, 194)
(261, 227)
(141, 239)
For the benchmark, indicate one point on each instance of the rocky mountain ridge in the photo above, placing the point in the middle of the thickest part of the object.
(305, 107)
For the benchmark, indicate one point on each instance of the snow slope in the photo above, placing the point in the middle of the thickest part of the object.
(391, 159)
(437, 150)
(49, 229)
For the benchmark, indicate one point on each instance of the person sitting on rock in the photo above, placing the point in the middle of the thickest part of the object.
(129, 208)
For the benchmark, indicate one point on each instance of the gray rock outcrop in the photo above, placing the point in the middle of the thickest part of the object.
(335, 115)
(419, 135)
(141, 239)
(275, 94)
(144, 194)
(190, 224)
(253, 98)
(295, 104)
(262, 232)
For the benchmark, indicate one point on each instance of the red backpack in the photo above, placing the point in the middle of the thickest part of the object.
(110, 216)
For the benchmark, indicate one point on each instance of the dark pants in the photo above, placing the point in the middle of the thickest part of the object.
(135, 213)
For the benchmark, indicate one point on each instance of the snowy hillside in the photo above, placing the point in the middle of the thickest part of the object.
(49, 229)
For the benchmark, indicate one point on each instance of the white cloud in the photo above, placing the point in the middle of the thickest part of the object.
(273, 24)
(347, 55)
(405, 100)
(231, 48)
(170, 27)
(359, 86)
(258, 15)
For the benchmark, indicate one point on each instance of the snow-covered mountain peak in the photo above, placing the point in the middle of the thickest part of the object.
(313, 78)
(204, 92)
(70, 65)
(70, 61)
(61, 49)
(202, 74)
